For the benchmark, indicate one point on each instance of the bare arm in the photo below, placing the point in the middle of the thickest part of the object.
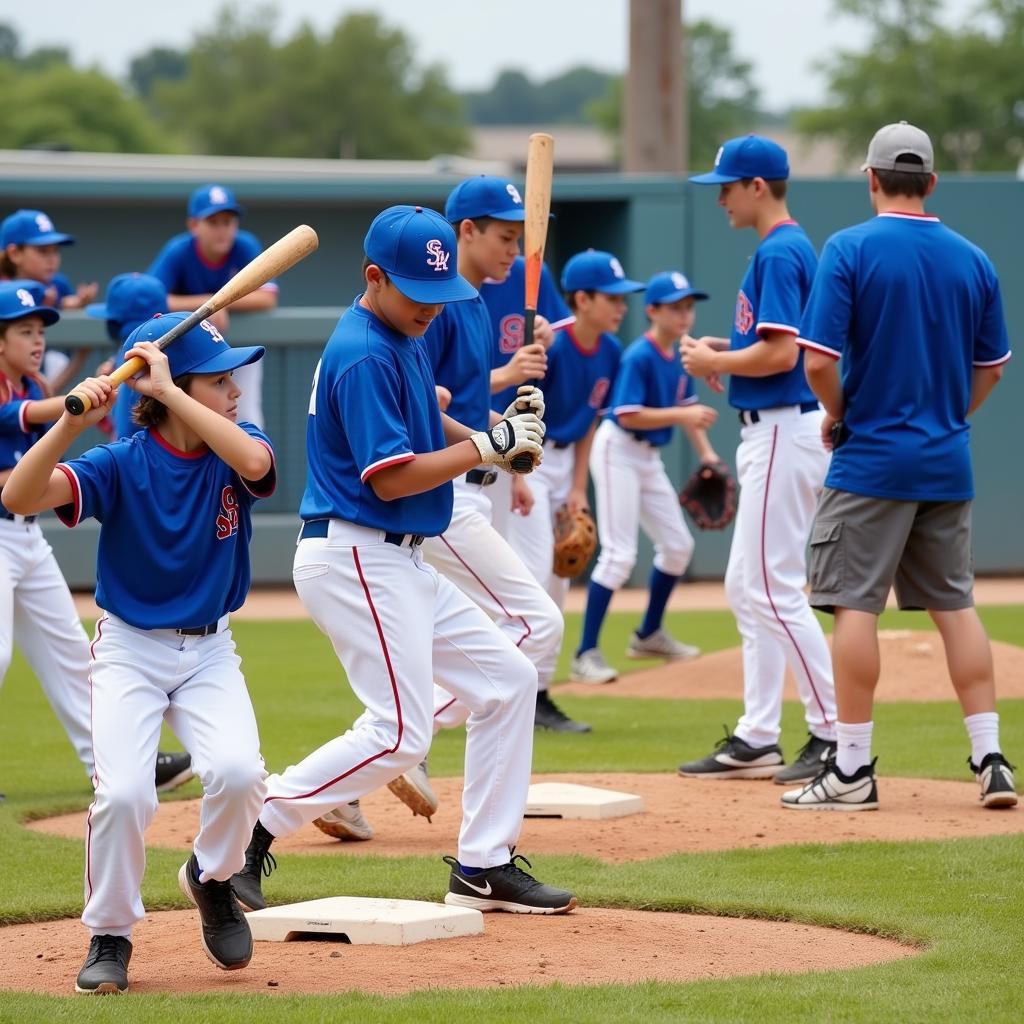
(698, 438)
(983, 380)
(46, 410)
(774, 352)
(427, 471)
(581, 469)
(822, 373)
(649, 418)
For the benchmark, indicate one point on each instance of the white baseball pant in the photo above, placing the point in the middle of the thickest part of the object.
(631, 490)
(781, 466)
(396, 624)
(140, 677)
(37, 608)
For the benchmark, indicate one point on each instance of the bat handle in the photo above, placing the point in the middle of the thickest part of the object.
(522, 463)
(529, 321)
(74, 404)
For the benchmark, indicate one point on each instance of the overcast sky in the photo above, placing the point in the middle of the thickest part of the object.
(474, 39)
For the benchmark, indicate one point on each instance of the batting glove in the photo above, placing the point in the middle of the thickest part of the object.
(528, 399)
(510, 437)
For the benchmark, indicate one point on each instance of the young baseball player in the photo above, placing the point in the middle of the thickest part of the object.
(131, 300)
(651, 395)
(914, 311)
(174, 502)
(36, 606)
(381, 458)
(780, 468)
(582, 363)
(200, 261)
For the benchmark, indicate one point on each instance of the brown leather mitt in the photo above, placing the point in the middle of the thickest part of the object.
(710, 496)
(575, 541)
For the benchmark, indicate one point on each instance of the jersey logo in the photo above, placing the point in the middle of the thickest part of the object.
(744, 313)
(600, 391)
(681, 387)
(227, 520)
(211, 330)
(439, 256)
(25, 297)
(510, 338)
(514, 193)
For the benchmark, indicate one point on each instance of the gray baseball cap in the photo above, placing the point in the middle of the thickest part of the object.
(895, 141)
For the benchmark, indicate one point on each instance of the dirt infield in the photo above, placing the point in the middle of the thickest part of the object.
(681, 816)
(588, 947)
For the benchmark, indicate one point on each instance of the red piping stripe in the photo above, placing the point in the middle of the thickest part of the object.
(444, 707)
(394, 691)
(764, 572)
(95, 773)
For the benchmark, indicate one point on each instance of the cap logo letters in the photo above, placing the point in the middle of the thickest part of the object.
(514, 193)
(439, 257)
(718, 155)
(25, 297)
(678, 280)
(211, 330)
(617, 268)
(218, 196)
(44, 223)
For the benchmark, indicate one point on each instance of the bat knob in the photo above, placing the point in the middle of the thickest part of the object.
(522, 463)
(74, 405)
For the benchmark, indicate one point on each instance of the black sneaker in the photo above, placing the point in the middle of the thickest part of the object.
(172, 769)
(226, 935)
(995, 776)
(105, 971)
(550, 716)
(831, 790)
(506, 887)
(809, 761)
(734, 758)
(247, 884)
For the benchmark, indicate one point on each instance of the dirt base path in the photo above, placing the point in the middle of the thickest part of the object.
(588, 947)
(682, 815)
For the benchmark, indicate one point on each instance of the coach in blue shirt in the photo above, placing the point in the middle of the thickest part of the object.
(913, 310)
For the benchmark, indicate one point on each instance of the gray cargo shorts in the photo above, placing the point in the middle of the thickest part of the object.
(861, 546)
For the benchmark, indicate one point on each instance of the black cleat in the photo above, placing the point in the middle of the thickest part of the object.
(809, 761)
(247, 884)
(105, 971)
(172, 770)
(550, 716)
(506, 887)
(995, 776)
(734, 758)
(226, 935)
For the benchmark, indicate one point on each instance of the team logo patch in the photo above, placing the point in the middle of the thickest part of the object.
(599, 392)
(44, 223)
(681, 387)
(511, 329)
(218, 197)
(501, 437)
(617, 268)
(211, 330)
(679, 280)
(25, 297)
(744, 313)
(514, 193)
(438, 256)
(227, 519)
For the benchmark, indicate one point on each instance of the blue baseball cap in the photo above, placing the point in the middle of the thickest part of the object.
(417, 248)
(131, 299)
(18, 299)
(484, 196)
(210, 199)
(670, 286)
(750, 156)
(203, 349)
(31, 227)
(596, 271)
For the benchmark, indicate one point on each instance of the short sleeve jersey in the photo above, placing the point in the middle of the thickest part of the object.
(174, 528)
(460, 348)
(578, 384)
(373, 406)
(650, 378)
(185, 271)
(911, 307)
(505, 304)
(17, 435)
(772, 298)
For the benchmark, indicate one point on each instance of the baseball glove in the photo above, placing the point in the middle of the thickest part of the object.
(710, 496)
(575, 541)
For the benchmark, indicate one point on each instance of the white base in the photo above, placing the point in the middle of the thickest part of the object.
(567, 800)
(365, 921)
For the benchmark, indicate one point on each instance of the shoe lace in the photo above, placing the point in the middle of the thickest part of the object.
(223, 906)
(258, 857)
(107, 949)
(726, 739)
(516, 872)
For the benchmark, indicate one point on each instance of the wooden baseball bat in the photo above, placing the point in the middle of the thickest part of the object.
(540, 160)
(272, 262)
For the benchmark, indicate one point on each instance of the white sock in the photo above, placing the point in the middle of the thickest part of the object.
(983, 730)
(853, 746)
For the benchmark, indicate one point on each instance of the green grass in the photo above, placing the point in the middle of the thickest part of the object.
(960, 899)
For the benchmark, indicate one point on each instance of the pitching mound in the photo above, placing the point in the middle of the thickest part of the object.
(913, 669)
(588, 947)
(682, 815)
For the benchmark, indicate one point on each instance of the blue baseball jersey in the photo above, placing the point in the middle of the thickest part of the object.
(461, 349)
(650, 378)
(911, 307)
(174, 528)
(578, 384)
(17, 435)
(185, 271)
(505, 304)
(121, 415)
(373, 406)
(772, 298)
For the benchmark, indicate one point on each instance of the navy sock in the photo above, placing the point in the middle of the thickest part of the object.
(469, 872)
(598, 599)
(660, 587)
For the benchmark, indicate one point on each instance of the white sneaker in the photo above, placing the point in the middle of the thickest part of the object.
(413, 789)
(590, 667)
(660, 645)
(345, 823)
(831, 790)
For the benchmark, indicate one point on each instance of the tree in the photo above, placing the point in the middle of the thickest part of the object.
(515, 99)
(160, 64)
(964, 86)
(355, 92)
(722, 96)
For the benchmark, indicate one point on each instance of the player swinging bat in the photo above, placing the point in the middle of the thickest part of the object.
(271, 263)
(539, 169)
